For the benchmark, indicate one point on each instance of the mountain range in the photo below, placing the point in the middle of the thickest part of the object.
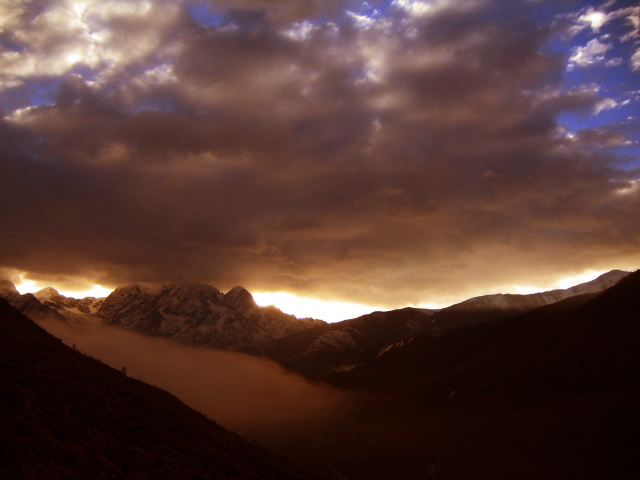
(199, 314)
(347, 345)
(192, 314)
(496, 387)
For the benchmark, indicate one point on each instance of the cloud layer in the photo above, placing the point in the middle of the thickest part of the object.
(387, 154)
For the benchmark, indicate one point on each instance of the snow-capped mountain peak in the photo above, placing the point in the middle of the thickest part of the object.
(198, 314)
(72, 309)
(47, 293)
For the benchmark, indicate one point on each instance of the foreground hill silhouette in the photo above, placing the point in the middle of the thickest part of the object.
(67, 416)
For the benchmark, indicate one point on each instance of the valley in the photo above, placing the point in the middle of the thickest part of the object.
(526, 386)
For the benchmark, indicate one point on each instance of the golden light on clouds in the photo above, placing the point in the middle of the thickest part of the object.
(377, 153)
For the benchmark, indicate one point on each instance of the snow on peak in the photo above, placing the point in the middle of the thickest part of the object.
(46, 293)
(597, 285)
(191, 289)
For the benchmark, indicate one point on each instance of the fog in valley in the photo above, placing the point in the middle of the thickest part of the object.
(248, 395)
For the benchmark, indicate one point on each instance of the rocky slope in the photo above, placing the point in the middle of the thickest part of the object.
(27, 304)
(193, 314)
(198, 314)
(72, 309)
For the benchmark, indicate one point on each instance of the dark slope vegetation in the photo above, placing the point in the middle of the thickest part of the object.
(553, 393)
(320, 352)
(580, 345)
(66, 416)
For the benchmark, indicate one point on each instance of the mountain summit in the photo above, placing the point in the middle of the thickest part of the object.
(238, 298)
(199, 314)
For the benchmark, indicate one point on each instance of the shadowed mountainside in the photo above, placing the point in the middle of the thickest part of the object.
(65, 415)
(343, 346)
(336, 348)
(550, 393)
(553, 393)
(199, 314)
(578, 345)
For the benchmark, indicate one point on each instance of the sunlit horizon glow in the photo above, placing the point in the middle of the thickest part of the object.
(571, 280)
(334, 310)
(327, 310)
(562, 283)
(398, 153)
(31, 286)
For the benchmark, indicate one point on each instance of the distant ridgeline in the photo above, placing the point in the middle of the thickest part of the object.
(199, 314)
(192, 314)
(496, 387)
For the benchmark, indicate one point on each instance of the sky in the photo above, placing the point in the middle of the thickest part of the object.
(380, 153)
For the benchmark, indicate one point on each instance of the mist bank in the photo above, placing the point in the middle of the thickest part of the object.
(251, 396)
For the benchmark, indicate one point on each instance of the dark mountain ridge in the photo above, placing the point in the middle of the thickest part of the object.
(551, 393)
(589, 341)
(65, 415)
(199, 314)
(344, 346)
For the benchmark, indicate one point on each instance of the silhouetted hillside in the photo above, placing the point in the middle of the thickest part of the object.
(333, 349)
(342, 346)
(66, 416)
(553, 393)
(584, 343)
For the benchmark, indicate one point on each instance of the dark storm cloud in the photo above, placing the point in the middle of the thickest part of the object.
(391, 162)
(277, 10)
